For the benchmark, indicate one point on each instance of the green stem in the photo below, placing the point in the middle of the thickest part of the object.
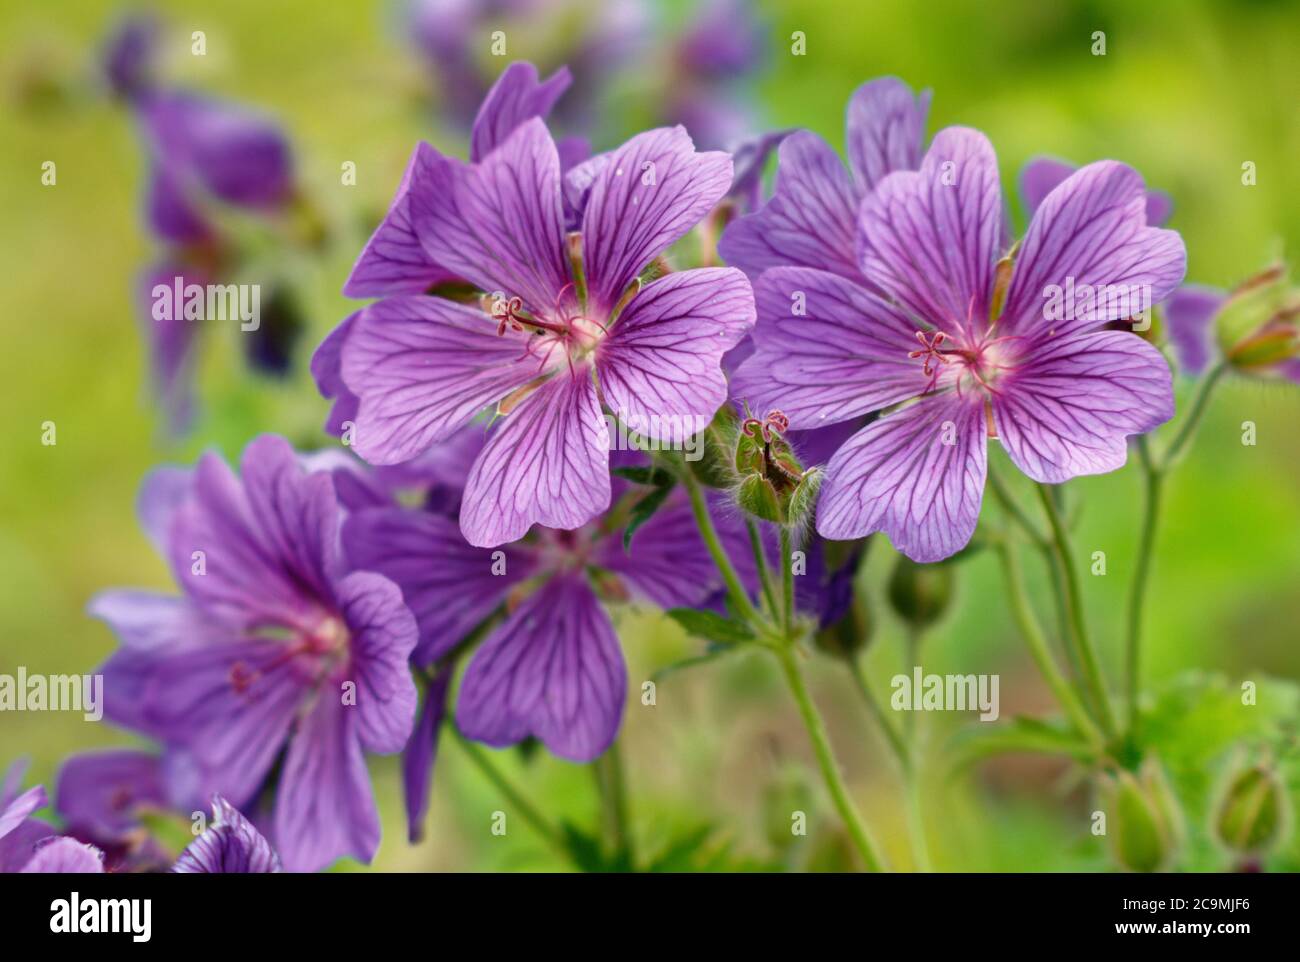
(704, 521)
(1141, 575)
(787, 584)
(1074, 603)
(877, 711)
(1038, 648)
(826, 761)
(1192, 422)
(535, 819)
(608, 769)
(760, 559)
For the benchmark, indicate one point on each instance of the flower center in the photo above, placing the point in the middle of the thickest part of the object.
(320, 651)
(964, 366)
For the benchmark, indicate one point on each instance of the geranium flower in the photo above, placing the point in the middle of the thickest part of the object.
(230, 845)
(275, 652)
(28, 844)
(558, 320)
(979, 356)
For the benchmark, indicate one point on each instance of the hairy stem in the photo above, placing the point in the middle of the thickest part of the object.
(787, 584)
(1038, 648)
(704, 521)
(1178, 445)
(826, 761)
(1085, 653)
(1141, 575)
(608, 769)
(760, 560)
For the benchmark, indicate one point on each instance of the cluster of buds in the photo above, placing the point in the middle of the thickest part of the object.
(773, 484)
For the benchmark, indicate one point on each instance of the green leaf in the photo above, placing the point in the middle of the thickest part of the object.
(644, 510)
(711, 626)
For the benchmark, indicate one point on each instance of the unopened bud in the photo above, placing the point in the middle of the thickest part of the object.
(920, 594)
(773, 484)
(1252, 814)
(1146, 822)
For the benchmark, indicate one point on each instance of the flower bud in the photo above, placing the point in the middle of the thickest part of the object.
(1252, 814)
(773, 484)
(920, 594)
(715, 466)
(1256, 326)
(1145, 821)
(784, 798)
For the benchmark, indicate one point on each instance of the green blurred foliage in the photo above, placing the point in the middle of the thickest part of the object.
(1187, 92)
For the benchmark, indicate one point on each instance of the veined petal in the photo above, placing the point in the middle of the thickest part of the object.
(230, 845)
(517, 96)
(809, 219)
(382, 636)
(660, 367)
(393, 260)
(449, 585)
(929, 238)
(917, 474)
(1089, 256)
(650, 193)
(548, 464)
(827, 350)
(65, 856)
(421, 752)
(885, 129)
(1042, 175)
(499, 225)
(424, 367)
(1070, 407)
(553, 670)
(325, 809)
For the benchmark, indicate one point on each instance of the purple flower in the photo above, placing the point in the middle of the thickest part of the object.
(423, 367)
(1191, 312)
(1042, 175)
(976, 358)
(130, 55)
(553, 668)
(810, 220)
(277, 658)
(230, 845)
(30, 845)
(101, 795)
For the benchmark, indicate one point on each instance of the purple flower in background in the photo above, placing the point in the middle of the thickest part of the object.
(810, 220)
(277, 658)
(1061, 393)
(717, 51)
(1042, 175)
(230, 845)
(423, 367)
(101, 797)
(129, 57)
(30, 845)
(553, 668)
(1269, 346)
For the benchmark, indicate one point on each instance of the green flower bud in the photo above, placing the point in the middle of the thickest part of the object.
(920, 594)
(773, 484)
(1251, 817)
(1145, 826)
(1256, 326)
(715, 466)
(787, 806)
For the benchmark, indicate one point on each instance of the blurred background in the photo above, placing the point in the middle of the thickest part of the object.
(1186, 92)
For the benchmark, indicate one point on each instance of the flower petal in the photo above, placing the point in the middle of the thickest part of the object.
(1091, 234)
(1188, 313)
(553, 670)
(393, 260)
(424, 367)
(1068, 410)
(517, 96)
(661, 365)
(1042, 175)
(917, 474)
(421, 753)
(650, 193)
(808, 221)
(383, 635)
(930, 238)
(885, 129)
(65, 856)
(827, 350)
(449, 585)
(501, 227)
(230, 845)
(548, 464)
(101, 793)
(667, 563)
(324, 808)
